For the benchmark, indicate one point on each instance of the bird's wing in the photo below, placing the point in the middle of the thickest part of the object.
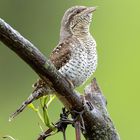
(62, 53)
(59, 57)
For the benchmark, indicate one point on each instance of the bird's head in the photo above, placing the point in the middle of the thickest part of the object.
(76, 20)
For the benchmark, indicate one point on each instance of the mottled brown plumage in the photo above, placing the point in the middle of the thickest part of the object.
(75, 55)
(61, 54)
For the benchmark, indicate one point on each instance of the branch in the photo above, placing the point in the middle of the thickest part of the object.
(96, 119)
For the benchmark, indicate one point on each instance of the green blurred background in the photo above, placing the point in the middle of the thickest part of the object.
(116, 28)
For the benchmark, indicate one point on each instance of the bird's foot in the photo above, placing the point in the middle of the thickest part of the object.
(71, 85)
(86, 103)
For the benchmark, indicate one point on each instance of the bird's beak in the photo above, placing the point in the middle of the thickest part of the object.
(90, 10)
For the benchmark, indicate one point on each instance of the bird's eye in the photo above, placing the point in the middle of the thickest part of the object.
(78, 11)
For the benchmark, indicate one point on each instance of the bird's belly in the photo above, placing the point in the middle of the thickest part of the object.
(79, 68)
(75, 71)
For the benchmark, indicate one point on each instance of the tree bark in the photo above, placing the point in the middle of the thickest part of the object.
(98, 125)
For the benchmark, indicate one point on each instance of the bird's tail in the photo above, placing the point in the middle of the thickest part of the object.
(37, 93)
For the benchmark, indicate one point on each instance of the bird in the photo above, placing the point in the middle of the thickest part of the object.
(75, 56)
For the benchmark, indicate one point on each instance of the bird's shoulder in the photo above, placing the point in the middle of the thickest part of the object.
(63, 52)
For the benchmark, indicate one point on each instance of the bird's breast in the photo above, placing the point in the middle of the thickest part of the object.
(92, 57)
(82, 63)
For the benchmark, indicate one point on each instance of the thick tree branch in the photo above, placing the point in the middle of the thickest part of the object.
(98, 125)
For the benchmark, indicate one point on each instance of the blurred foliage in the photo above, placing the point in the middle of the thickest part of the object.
(116, 30)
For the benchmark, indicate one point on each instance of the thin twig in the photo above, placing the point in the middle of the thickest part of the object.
(77, 130)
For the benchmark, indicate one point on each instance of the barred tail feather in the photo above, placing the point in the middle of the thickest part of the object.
(35, 95)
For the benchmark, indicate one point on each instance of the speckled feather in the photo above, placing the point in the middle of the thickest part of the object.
(76, 59)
